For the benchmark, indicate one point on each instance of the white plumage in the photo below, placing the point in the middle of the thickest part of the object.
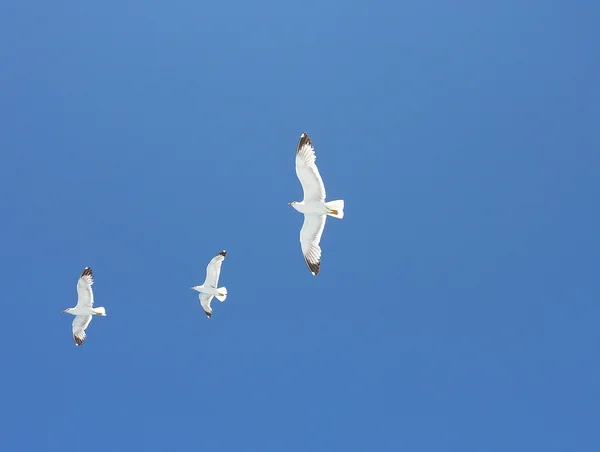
(313, 206)
(84, 310)
(209, 288)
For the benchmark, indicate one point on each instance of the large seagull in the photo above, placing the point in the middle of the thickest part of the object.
(84, 310)
(209, 288)
(313, 206)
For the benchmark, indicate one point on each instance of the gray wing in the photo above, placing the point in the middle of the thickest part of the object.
(205, 300)
(307, 171)
(80, 323)
(213, 270)
(310, 237)
(85, 296)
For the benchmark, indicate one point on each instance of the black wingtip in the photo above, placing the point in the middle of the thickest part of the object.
(223, 253)
(208, 314)
(78, 341)
(314, 267)
(87, 271)
(304, 139)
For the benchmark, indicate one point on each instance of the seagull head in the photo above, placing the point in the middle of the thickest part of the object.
(297, 205)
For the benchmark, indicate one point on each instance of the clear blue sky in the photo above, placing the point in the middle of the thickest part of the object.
(458, 301)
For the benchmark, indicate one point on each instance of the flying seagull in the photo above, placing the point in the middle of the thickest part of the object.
(84, 310)
(209, 289)
(313, 206)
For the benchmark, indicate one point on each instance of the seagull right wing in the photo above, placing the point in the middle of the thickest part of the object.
(307, 171)
(213, 270)
(85, 296)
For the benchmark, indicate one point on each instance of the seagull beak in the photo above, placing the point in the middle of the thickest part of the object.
(64, 310)
(289, 203)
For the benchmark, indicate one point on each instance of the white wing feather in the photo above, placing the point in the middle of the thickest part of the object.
(85, 296)
(307, 171)
(213, 269)
(80, 323)
(310, 236)
(205, 300)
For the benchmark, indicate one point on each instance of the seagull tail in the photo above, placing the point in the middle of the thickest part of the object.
(335, 208)
(100, 311)
(222, 293)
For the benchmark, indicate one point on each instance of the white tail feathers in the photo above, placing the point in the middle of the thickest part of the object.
(221, 293)
(100, 311)
(335, 208)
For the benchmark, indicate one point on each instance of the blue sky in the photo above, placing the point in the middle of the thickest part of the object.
(457, 304)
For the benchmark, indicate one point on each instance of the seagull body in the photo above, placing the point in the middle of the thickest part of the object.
(209, 288)
(84, 310)
(313, 206)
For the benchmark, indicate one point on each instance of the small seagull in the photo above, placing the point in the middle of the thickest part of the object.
(313, 206)
(84, 310)
(209, 289)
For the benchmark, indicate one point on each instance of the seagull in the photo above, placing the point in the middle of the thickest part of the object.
(84, 310)
(209, 289)
(313, 206)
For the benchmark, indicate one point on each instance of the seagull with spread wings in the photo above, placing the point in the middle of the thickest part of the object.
(313, 206)
(84, 310)
(209, 288)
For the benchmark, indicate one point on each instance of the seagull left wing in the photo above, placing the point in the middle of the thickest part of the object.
(80, 323)
(307, 171)
(310, 236)
(205, 300)
(85, 296)
(213, 269)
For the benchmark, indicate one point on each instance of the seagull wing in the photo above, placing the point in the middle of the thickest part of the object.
(310, 236)
(213, 270)
(85, 296)
(205, 300)
(307, 170)
(80, 323)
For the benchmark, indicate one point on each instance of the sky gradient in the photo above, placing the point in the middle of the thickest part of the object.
(457, 304)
